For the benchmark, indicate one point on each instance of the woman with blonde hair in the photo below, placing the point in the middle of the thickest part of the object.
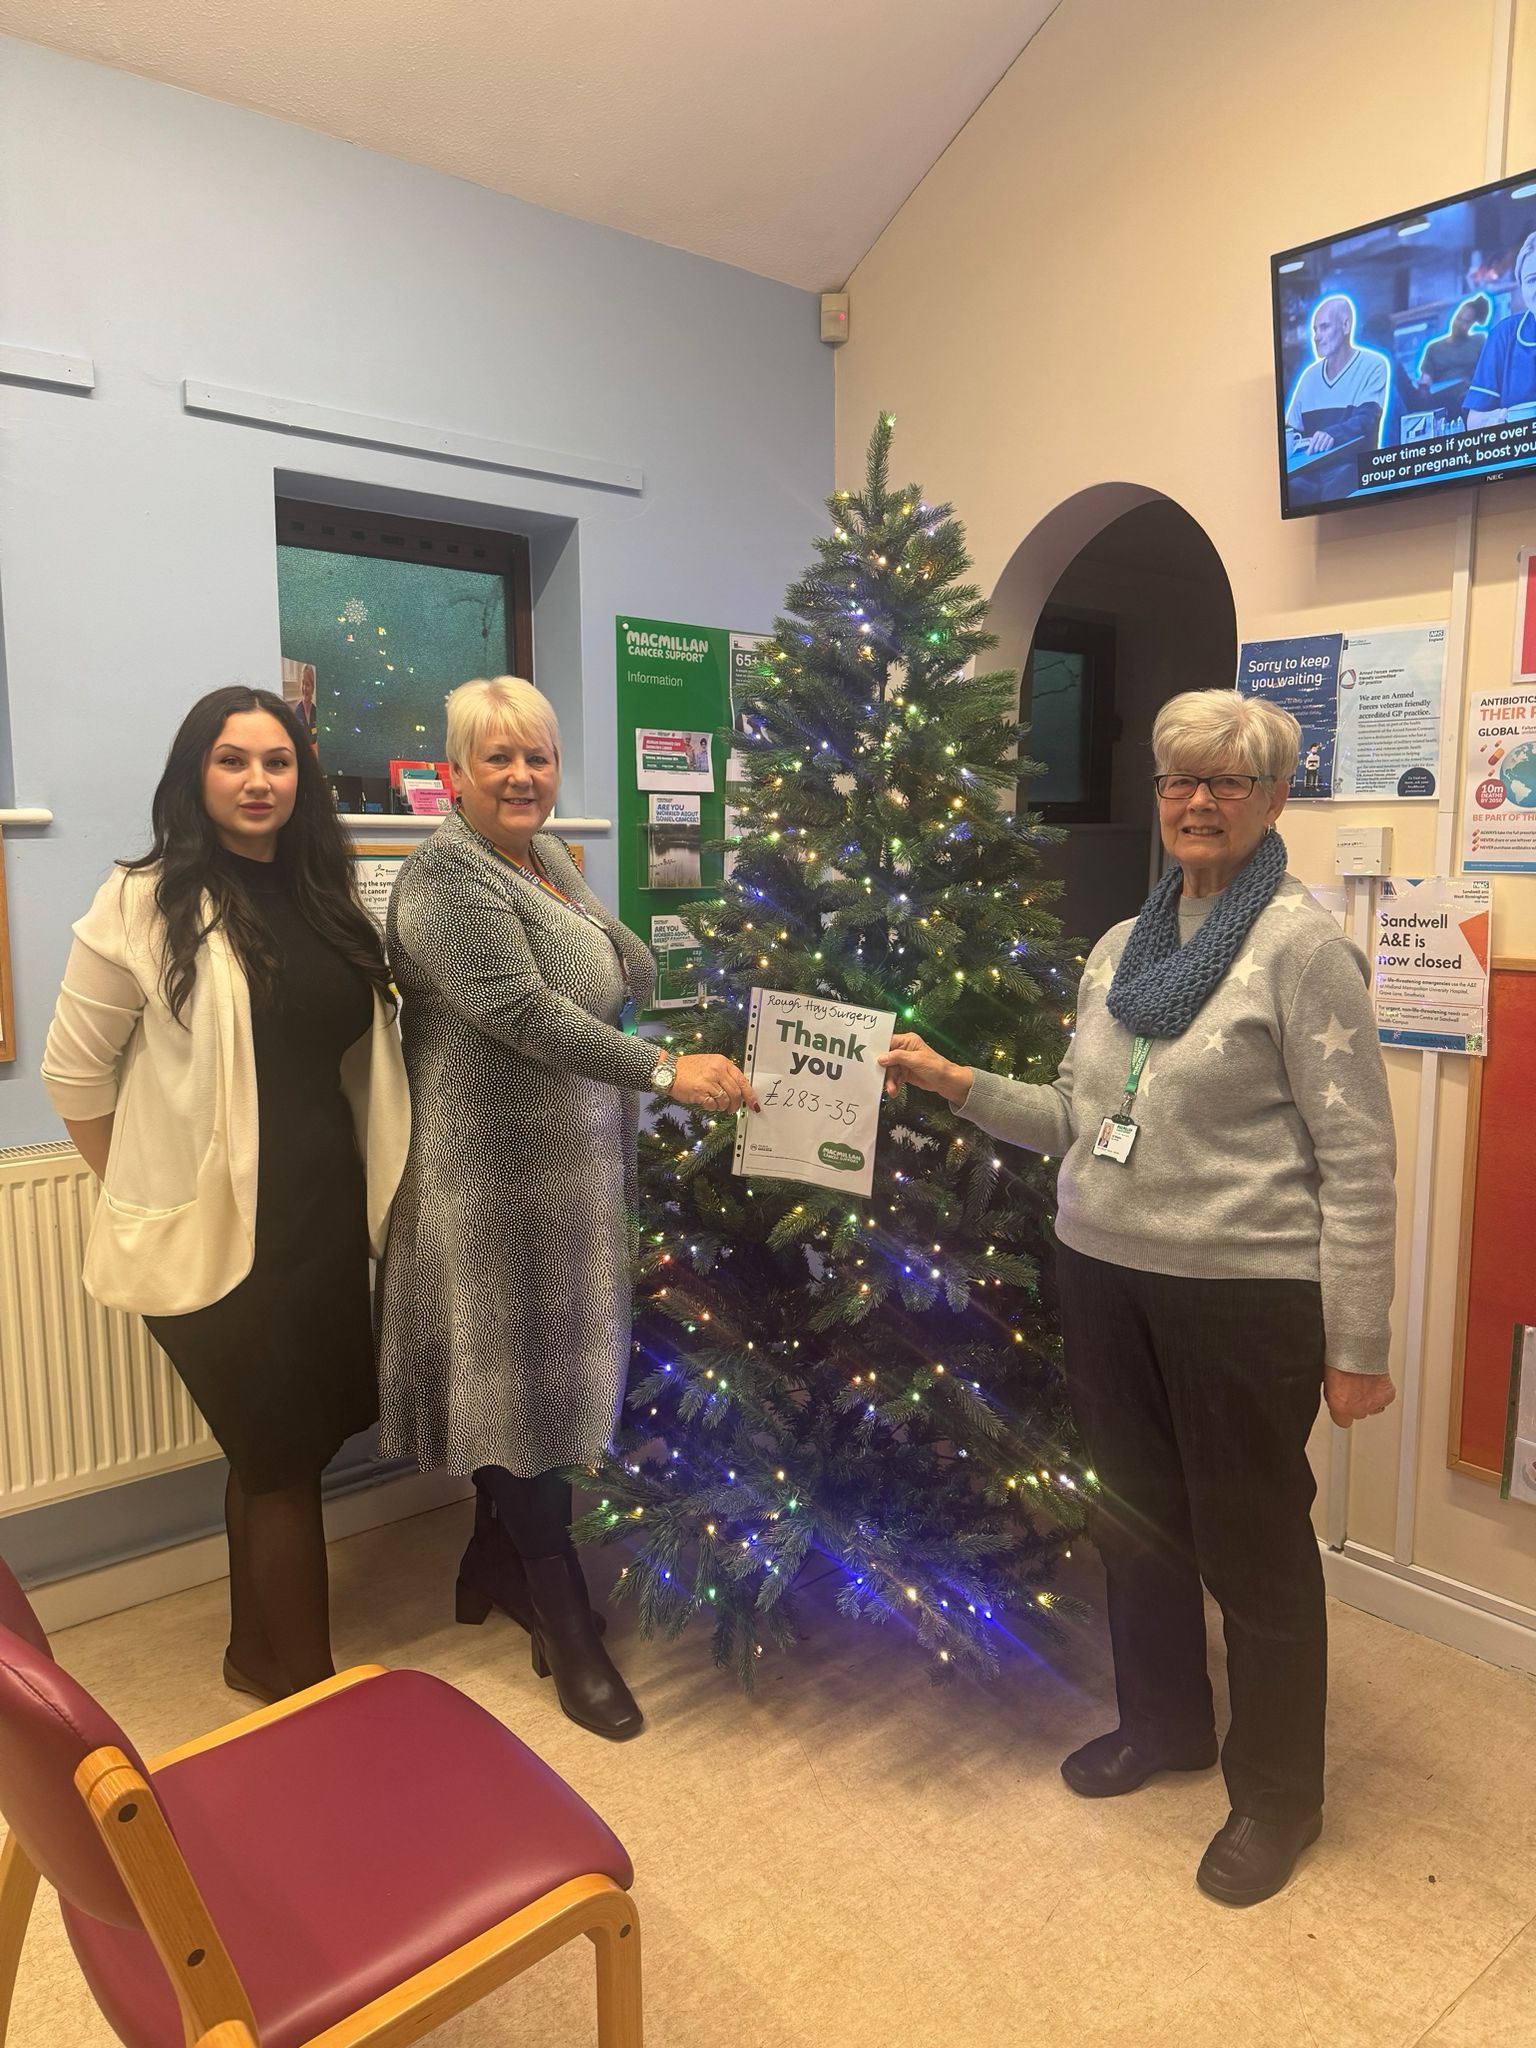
(504, 1302)
(1225, 1249)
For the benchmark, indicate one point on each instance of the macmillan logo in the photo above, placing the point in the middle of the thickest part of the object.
(665, 646)
(843, 1157)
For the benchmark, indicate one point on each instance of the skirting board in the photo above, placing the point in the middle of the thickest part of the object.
(1428, 1605)
(92, 1594)
(1381, 1589)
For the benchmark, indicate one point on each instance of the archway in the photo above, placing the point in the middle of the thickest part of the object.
(1112, 604)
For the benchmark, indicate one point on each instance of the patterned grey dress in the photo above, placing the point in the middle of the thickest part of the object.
(504, 1296)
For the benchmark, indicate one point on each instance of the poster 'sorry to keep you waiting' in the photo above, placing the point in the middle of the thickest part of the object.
(1368, 704)
(1299, 675)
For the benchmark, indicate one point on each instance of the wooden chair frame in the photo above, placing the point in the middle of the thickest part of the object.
(215, 2010)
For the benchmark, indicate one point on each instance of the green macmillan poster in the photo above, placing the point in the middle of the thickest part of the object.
(673, 698)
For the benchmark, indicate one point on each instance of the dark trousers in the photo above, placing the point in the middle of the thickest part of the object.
(1195, 1399)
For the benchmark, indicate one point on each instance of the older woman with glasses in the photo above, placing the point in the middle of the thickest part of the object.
(1225, 1223)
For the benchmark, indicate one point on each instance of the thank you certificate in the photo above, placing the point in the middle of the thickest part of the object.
(813, 1065)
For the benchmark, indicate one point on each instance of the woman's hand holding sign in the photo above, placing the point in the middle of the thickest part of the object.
(707, 1080)
(911, 1061)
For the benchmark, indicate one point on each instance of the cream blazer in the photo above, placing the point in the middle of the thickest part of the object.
(175, 1225)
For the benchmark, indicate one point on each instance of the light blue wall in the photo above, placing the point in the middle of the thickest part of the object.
(167, 236)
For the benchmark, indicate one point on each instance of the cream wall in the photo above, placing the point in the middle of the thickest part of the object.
(1077, 295)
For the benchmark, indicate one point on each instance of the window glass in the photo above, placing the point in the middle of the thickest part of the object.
(376, 645)
(1057, 727)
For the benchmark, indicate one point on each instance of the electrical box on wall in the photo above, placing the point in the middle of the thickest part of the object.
(1362, 850)
(834, 318)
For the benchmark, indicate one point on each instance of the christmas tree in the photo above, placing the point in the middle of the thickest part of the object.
(863, 1387)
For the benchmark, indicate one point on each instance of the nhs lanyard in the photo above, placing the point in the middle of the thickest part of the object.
(1118, 1133)
(1139, 1050)
(535, 880)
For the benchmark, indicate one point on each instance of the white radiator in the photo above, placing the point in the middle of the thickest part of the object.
(86, 1399)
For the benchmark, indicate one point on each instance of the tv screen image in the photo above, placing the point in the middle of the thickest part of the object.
(1405, 352)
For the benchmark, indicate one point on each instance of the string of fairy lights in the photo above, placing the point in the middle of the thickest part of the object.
(899, 911)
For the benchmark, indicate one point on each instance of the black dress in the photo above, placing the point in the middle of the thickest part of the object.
(282, 1366)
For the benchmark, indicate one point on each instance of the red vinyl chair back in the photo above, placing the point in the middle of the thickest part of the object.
(49, 1725)
(16, 1612)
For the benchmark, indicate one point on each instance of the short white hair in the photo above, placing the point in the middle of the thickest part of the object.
(499, 704)
(1201, 730)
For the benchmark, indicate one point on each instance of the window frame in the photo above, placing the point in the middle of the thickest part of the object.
(339, 530)
(1094, 641)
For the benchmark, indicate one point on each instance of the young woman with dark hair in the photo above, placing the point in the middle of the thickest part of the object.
(225, 1058)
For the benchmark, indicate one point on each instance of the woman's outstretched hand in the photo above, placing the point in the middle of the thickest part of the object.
(707, 1080)
(913, 1062)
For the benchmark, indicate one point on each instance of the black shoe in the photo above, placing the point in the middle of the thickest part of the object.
(1116, 1763)
(565, 1644)
(491, 1574)
(1249, 1860)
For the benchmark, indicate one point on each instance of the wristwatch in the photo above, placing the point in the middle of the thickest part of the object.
(664, 1073)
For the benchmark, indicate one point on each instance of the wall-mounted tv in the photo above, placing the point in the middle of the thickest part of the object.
(1405, 352)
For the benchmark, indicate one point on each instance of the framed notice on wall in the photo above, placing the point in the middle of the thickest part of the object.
(378, 867)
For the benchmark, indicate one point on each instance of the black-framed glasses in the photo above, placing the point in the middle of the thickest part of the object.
(1226, 789)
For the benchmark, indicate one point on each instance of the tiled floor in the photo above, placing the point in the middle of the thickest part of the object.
(858, 1860)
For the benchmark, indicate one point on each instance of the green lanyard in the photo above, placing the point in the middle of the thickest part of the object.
(1139, 1052)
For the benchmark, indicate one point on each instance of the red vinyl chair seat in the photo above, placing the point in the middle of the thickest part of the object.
(346, 1846)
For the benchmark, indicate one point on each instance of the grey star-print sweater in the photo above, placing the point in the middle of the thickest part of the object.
(1265, 1147)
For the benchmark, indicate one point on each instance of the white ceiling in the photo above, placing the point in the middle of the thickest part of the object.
(780, 135)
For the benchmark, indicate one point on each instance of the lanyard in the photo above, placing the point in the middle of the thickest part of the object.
(1139, 1051)
(537, 881)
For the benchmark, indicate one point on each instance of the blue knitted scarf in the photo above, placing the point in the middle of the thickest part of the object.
(1160, 985)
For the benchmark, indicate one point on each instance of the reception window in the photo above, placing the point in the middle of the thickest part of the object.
(380, 619)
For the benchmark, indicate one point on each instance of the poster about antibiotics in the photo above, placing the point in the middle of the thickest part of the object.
(1499, 817)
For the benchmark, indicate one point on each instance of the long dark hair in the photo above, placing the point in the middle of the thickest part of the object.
(310, 846)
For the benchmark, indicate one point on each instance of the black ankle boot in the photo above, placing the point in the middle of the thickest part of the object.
(1249, 1860)
(491, 1573)
(1117, 1762)
(565, 1643)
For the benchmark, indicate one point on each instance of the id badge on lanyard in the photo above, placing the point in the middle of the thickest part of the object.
(1117, 1133)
